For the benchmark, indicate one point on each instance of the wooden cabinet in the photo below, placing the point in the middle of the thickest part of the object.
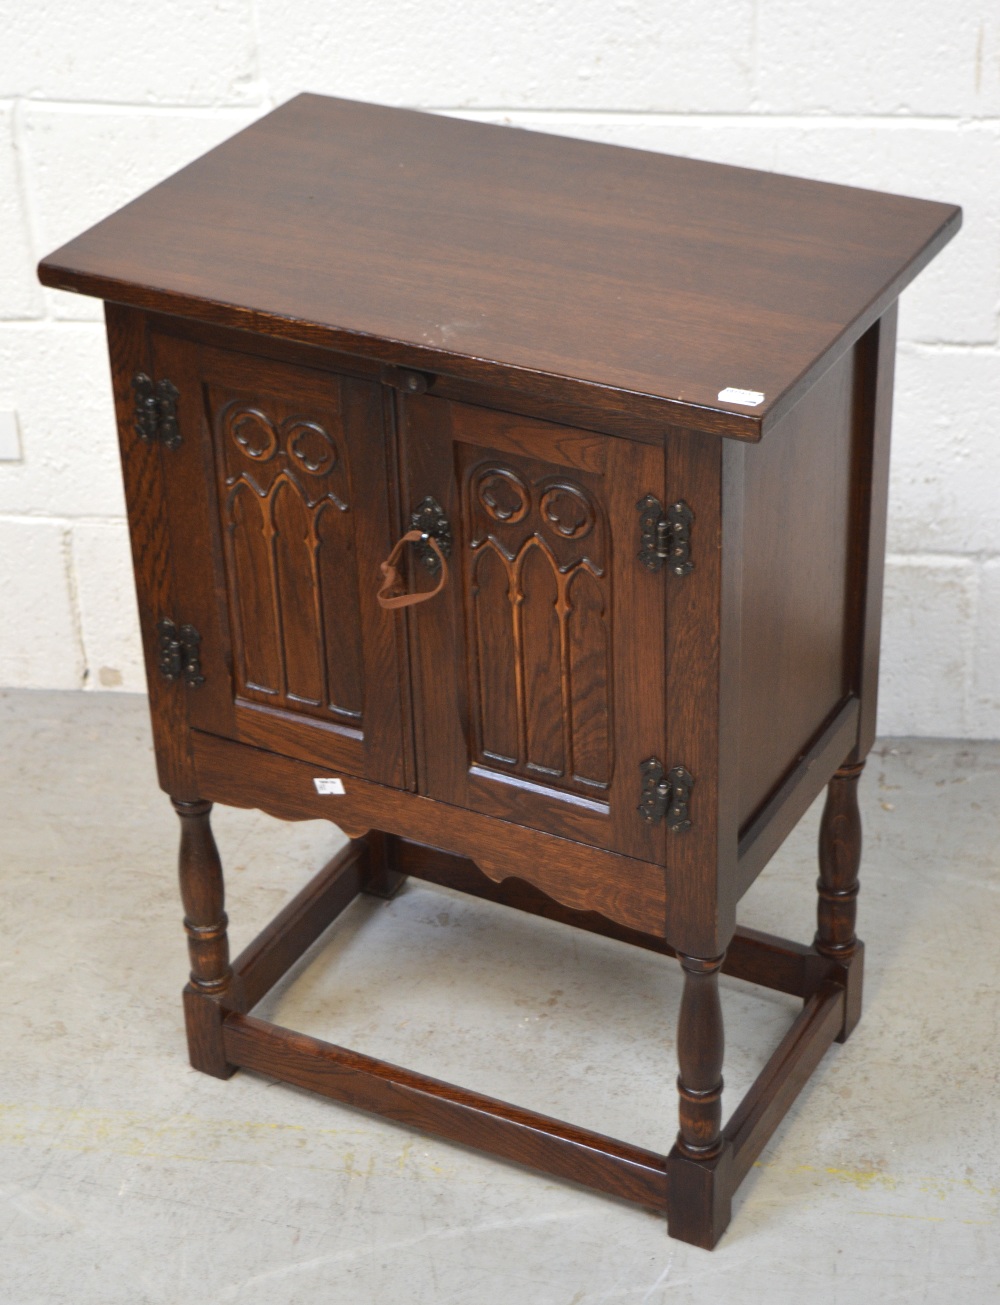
(518, 504)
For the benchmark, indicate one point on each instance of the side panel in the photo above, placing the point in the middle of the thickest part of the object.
(873, 423)
(156, 589)
(539, 671)
(848, 732)
(795, 666)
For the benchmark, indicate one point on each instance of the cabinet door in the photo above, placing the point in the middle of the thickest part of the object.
(539, 669)
(279, 514)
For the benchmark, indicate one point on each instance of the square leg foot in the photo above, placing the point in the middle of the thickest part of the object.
(203, 1019)
(852, 976)
(699, 1197)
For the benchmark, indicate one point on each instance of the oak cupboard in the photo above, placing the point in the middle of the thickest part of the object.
(517, 503)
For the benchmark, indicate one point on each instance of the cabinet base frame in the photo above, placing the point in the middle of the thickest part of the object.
(695, 1195)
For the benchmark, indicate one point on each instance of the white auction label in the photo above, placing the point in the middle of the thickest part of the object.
(746, 398)
(329, 785)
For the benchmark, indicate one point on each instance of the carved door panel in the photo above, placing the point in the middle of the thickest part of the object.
(279, 506)
(539, 669)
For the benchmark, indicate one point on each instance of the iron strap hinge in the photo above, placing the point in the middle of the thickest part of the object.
(179, 653)
(665, 794)
(156, 411)
(665, 535)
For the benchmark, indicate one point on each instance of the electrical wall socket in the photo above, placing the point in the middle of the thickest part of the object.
(10, 439)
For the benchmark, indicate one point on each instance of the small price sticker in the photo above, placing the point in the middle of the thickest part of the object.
(745, 398)
(327, 786)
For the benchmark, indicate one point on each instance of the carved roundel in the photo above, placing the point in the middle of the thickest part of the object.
(253, 431)
(503, 495)
(311, 447)
(567, 511)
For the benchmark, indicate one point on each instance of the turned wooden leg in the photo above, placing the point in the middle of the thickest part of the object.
(205, 921)
(699, 1168)
(700, 1047)
(837, 907)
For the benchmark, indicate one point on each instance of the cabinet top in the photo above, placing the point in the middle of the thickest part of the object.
(587, 273)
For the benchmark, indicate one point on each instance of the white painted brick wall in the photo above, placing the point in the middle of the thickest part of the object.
(98, 100)
(109, 623)
(984, 689)
(38, 602)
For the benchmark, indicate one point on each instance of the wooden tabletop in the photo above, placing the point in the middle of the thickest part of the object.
(517, 257)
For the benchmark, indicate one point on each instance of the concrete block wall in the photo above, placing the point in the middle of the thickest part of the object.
(98, 100)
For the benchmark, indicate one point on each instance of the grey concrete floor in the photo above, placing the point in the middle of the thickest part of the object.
(128, 1178)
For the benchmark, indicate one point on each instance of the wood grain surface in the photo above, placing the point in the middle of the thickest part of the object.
(466, 248)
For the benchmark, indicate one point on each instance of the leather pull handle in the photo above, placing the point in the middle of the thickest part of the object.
(390, 575)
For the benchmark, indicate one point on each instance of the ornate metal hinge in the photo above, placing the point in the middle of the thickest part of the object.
(666, 536)
(179, 655)
(665, 795)
(428, 517)
(156, 411)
